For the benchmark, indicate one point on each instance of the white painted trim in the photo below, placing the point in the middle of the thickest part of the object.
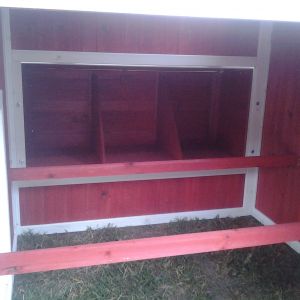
(15, 126)
(231, 9)
(5, 240)
(133, 177)
(6, 287)
(250, 189)
(18, 113)
(15, 242)
(6, 282)
(265, 220)
(15, 199)
(259, 91)
(256, 112)
(132, 59)
(13, 75)
(133, 221)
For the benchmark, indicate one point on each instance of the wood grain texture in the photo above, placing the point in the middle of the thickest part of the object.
(147, 248)
(94, 170)
(189, 94)
(278, 189)
(119, 115)
(233, 111)
(102, 32)
(55, 204)
(57, 110)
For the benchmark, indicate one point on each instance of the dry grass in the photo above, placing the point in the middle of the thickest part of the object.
(271, 272)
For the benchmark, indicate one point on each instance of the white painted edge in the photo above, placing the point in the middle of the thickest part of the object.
(15, 199)
(259, 90)
(231, 9)
(6, 282)
(6, 287)
(256, 111)
(132, 59)
(132, 221)
(265, 220)
(13, 75)
(15, 127)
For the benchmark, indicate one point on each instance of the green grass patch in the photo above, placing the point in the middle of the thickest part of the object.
(270, 272)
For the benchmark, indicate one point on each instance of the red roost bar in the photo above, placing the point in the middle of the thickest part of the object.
(132, 119)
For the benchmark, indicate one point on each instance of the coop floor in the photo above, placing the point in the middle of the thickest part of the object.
(270, 272)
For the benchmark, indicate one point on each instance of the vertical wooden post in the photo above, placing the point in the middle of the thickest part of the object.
(256, 113)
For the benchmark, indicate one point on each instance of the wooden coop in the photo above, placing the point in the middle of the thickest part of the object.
(132, 119)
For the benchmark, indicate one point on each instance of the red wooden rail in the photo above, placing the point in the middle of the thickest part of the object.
(94, 170)
(146, 248)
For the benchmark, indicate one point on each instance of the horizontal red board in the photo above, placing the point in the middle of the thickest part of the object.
(95, 170)
(147, 248)
(78, 202)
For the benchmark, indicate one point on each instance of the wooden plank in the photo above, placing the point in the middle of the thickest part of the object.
(95, 170)
(146, 248)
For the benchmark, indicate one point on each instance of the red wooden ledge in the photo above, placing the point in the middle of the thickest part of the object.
(147, 248)
(94, 170)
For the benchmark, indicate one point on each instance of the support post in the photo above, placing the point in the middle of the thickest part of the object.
(256, 112)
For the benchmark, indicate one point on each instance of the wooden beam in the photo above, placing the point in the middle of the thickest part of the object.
(96, 170)
(146, 248)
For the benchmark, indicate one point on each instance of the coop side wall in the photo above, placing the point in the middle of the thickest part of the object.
(278, 194)
(66, 31)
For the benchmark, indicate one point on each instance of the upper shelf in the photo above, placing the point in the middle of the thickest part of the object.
(115, 169)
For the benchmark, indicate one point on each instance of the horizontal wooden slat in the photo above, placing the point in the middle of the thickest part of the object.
(146, 248)
(95, 170)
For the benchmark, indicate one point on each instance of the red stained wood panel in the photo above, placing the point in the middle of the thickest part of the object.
(126, 122)
(131, 168)
(231, 113)
(40, 205)
(189, 95)
(71, 111)
(147, 248)
(74, 31)
(57, 110)
(278, 189)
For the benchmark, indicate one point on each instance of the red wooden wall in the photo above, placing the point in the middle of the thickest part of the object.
(279, 189)
(74, 31)
(122, 199)
(51, 30)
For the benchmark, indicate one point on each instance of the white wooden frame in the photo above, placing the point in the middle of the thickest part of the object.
(19, 57)
(257, 110)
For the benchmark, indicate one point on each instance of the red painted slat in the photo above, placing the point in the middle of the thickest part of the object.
(147, 248)
(94, 170)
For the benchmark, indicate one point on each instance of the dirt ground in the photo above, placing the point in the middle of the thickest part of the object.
(270, 272)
